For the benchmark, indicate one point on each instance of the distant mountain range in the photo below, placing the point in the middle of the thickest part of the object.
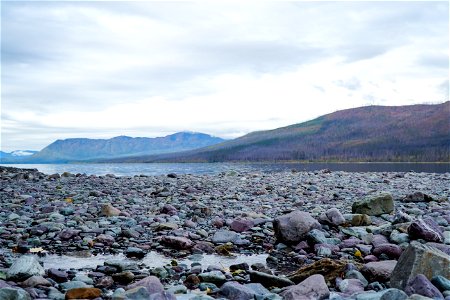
(17, 155)
(372, 133)
(83, 149)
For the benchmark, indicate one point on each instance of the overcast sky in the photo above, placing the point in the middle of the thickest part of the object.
(102, 69)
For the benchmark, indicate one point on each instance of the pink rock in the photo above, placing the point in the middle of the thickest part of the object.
(177, 242)
(241, 224)
(151, 283)
(312, 288)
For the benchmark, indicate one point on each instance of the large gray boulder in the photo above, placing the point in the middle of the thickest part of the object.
(313, 287)
(233, 290)
(294, 227)
(375, 205)
(14, 294)
(25, 267)
(419, 259)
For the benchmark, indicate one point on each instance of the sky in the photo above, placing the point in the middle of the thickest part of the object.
(100, 69)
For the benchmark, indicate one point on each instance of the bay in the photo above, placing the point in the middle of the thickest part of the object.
(131, 169)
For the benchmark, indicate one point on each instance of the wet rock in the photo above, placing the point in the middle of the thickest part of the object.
(109, 210)
(57, 275)
(135, 252)
(314, 287)
(420, 259)
(442, 283)
(83, 293)
(35, 281)
(426, 229)
(192, 281)
(24, 267)
(137, 293)
(177, 242)
(125, 277)
(379, 270)
(294, 227)
(14, 294)
(269, 280)
(420, 285)
(235, 291)
(241, 224)
(121, 265)
(213, 276)
(374, 206)
(150, 283)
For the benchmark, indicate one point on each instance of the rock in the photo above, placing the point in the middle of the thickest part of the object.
(241, 224)
(83, 293)
(121, 265)
(58, 276)
(379, 270)
(350, 286)
(420, 285)
(166, 295)
(177, 242)
(334, 216)
(426, 229)
(192, 281)
(374, 206)
(269, 280)
(225, 236)
(73, 285)
(169, 209)
(14, 294)
(35, 281)
(235, 291)
(213, 276)
(151, 283)
(104, 282)
(316, 236)
(54, 294)
(390, 250)
(420, 259)
(24, 267)
(124, 277)
(442, 283)
(294, 227)
(135, 252)
(137, 293)
(105, 239)
(314, 287)
(330, 269)
(417, 197)
(109, 210)
(358, 219)
(393, 294)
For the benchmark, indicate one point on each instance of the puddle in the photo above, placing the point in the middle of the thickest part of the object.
(151, 260)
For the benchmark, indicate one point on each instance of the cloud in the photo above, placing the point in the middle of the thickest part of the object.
(99, 69)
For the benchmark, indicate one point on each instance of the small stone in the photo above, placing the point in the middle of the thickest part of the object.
(35, 281)
(58, 276)
(379, 270)
(83, 293)
(123, 277)
(335, 217)
(241, 224)
(177, 242)
(351, 286)
(151, 283)
(390, 250)
(314, 287)
(426, 229)
(213, 276)
(269, 280)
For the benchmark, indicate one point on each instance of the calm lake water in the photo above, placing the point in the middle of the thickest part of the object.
(126, 169)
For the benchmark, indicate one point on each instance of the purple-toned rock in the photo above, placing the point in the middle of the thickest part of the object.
(67, 234)
(379, 270)
(426, 229)
(351, 286)
(313, 287)
(151, 283)
(162, 296)
(350, 243)
(391, 250)
(417, 197)
(422, 286)
(241, 224)
(332, 216)
(420, 259)
(105, 239)
(177, 242)
(57, 275)
(379, 239)
(294, 227)
(169, 210)
(233, 290)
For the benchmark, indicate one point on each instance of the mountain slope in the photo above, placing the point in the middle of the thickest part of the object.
(87, 149)
(373, 133)
(16, 156)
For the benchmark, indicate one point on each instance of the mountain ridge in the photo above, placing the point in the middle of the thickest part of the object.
(371, 133)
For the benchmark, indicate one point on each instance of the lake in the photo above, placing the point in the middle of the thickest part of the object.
(130, 169)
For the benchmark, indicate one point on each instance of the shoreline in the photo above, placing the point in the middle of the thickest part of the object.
(178, 215)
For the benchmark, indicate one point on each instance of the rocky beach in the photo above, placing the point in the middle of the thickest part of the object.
(234, 235)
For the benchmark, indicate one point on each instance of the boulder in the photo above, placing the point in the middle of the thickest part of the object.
(420, 285)
(426, 229)
(314, 287)
(233, 290)
(24, 267)
(420, 259)
(374, 206)
(83, 293)
(294, 227)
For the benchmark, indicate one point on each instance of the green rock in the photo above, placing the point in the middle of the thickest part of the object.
(14, 294)
(374, 206)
